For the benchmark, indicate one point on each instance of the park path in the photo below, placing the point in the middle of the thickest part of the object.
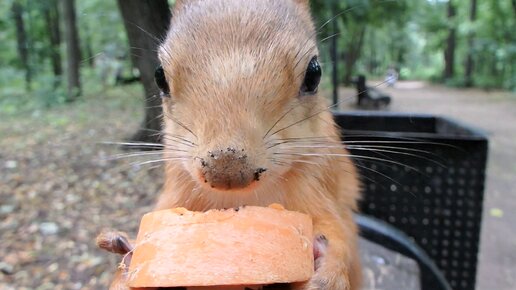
(495, 113)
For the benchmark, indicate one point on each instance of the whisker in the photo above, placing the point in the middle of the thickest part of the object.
(400, 153)
(346, 11)
(135, 144)
(131, 155)
(155, 38)
(324, 110)
(381, 174)
(300, 121)
(398, 148)
(183, 158)
(329, 37)
(85, 60)
(180, 124)
(144, 49)
(384, 149)
(281, 118)
(153, 107)
(171, 138)
(168, 135)
(363, 167)
(280, 163)
(154, 166)
(351, 156)
(153, 96)
(301, 161)
(159, 116)
(345, 142)
(300, 138)
(374, 171)
(307, 51)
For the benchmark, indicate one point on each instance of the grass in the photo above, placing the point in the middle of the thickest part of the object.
(29, 117)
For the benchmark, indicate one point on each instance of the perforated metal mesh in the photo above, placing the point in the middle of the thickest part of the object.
(437, 197)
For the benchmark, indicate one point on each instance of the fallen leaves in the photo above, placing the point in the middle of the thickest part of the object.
(58, 190)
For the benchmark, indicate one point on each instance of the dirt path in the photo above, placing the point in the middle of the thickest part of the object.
(495, 113)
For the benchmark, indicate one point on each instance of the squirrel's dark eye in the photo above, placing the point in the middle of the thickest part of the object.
(161, 80)
(312, 77)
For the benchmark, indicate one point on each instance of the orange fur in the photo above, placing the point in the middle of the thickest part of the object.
(234, 69)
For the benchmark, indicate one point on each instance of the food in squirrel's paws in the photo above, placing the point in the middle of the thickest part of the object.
(249, 246)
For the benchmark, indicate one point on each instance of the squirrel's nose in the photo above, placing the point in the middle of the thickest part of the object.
(229, 169)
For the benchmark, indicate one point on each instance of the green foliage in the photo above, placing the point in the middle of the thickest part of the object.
(411, 35)
(100, 27)
(14, 100)
(8, 55)
(495, 45)
(403, 33)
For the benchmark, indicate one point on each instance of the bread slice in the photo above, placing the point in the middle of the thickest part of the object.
(242, 246)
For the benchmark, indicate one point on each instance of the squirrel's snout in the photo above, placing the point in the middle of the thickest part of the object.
(229, 168)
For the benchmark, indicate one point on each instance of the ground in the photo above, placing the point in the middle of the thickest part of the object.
(59, 186)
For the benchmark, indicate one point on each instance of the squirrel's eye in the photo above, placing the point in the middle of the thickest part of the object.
(161, 80)
(312, 77)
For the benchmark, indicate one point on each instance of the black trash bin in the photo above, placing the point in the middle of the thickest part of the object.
(425, 176)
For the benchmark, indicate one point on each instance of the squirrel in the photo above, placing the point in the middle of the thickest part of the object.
(243, 124)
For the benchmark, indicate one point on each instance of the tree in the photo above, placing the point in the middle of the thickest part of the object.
(468, 71)
(21, 38)
(353, 23)
(146, 22)
(353, 53)
(90, 58)
(71, 36)
(354, 18)
(449, 52)
(51, 15)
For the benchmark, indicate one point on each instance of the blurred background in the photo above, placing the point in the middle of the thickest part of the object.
(75, 75)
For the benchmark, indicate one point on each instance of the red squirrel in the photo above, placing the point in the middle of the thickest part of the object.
(244, 124)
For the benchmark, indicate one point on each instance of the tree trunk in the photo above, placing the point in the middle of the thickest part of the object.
(400, 59)
(335, 59)
(371, 65)
(51, 14)
(146, 22)
(449, 53)
(90, 58)
(21, 39)
(470, 65)
(353, 54)
(73, 50)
